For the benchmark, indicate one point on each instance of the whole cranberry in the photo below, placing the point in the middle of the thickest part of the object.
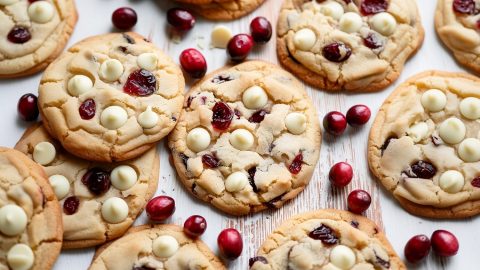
(239, 47)
(27, 107)
(261, 30)
(230, 243)
(341, 174)
(160, 208)
(358, 201)
(335, 123)
(195, 226)
(358, 115)
(180, 19)
(417, 248)
(193, 63)
(124, 18)
(444, 243)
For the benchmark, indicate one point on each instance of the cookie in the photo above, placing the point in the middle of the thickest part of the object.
(30, 216)
(222, 9)
(327, 239)
(424, 145)
(155, 247)
(111, 97)
(33, 34)
(100, 201)
(248, 138)
(361, 46)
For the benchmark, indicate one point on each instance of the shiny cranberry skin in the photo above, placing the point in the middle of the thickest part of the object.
(239, 47)
(70, 205)
(160, 208)
(336, 52)
(180, 19)
(370, 7)
(476, 182)
(27, 107)
(193, 63)
(230, 243)
(124, 18)
(97, 181)
(464, 6)
(335, 123)
(358, 201)
(257, 117)
(261, 30)
(444, 243)
(140, 83)
(358, 115)
(417, 248)
(87, 109)
(210, 161)
(296, 165)
(372, 41)
(19, 35)
(222, 116)
(195, 226)
(341, 174)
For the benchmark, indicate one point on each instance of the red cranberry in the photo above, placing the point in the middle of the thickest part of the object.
(296, 165)
(476, 182)
(193, 63)
(261, 30)
(369, 7)
(27, 107)
(230, 243)
(417, 248)
(341, 174)
(336, 52)
(358, 115)
(195, 226)
(160, 208)
(258, 116)
(358, 201)
(180, 19)
(335, 123)
(97, 181)
(222, 116)
(423, 169)
(140, 83)
(239, 47)
(19, 35)
(87, 109)
(372, 41)
(210, 161)
(124, 18)
(464, 6)
(70, 205)
(444, 243)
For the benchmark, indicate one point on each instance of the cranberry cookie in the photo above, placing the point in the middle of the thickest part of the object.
(222, 9)
(247, 139)
(111, 97)
(100, 201)
(33, 34)
(358, 45)
(151, 247)
(424, 145)
(30, 216)
(326, 239)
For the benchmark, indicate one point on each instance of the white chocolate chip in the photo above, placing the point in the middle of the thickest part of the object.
(451, 181)
(198, 139)
(123, 177)
(44, 153)
(111, 70)
(79, 84)
(165, 246)
(41, 11)
(148, 118)
(241, 139)
(470, 108)
(147, 61)
(384, 23)
(350, 22)
(13, 220)
(113, 117)
(254, 97)
(418, 131)
(452, 130)
(114, 210)
(220, 36)
(342, 257)
(469, 150)
(434, 100)
(60, 185)
(332, 9)
(20, 257)
(304, 39)
(296, 123)
(236, 182)
(7, 2)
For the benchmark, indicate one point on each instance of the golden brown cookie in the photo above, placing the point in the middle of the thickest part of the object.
(222, 9)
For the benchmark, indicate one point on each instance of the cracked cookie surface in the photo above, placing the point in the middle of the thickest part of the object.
(100, 200)
(357, 46)
(111, 97)
(222, 9)
(248, 138)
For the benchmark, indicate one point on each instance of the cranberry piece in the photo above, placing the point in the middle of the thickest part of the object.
(184, 159)
(387, 143)
(210, 161)
(142, 268)
(180, 19)
(369, 7)
(336, 52)
(260, 259)
(258, 116)
(444, 243)
(251, 178)
(261, 30)
(97, 181)
(193, 63)
(423, 169)
(358, 201)
(140, 83)
(341, 174)
(358, 115)
(230, 243)
(372, 41)
(27, 107)
(239, 47)
(464, 6)
(324, 234)
(476, 182)
(87, 109)
(335, 123)
(70, 205)
(19, 35)
(417, 248)
(296, 165)
(195, 226)
(222, 116)
(124, 18)
(222, 78)
(160, 208)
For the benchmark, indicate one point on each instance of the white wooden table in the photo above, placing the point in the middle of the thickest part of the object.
(351, 147)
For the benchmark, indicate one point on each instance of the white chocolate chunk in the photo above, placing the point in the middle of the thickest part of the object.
(434, 100)
(60, 185)
(41, 11)
(350, 22)
(384, 23)
(304, 39)
(220, 36)
(418, 131)
(241, 139)
(254, 97)
(111, 70)
(44, 153)
(451, 181)
(165, 246)
(7, 2)
(332, 9)
(148, 118)
(469, 150)
(147, 61)
(79, 84)
(123, 177)
(198, 139)
(13, 220)
(470, 108)
(342, 257)
(114, 210)
(236, 182)
(20, 257)
(296, 123)
(113, 117)
(452, 130)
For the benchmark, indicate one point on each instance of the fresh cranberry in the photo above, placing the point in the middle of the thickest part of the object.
(140, 83)
(341, 174)
(423, 169)
(464, 6)
(19, 35)
(335, 123)
(261, 30)
(358, 115)
(27, 107)
(369, 7)
(124, 18)
(222, 116)
(296, 165)
(417, 248)
(239, 47)
(87, 109)
(372, 41)
(70, 205)
(210, 161)
(97, 181)
(444, 243)
(258, 116)
(358, 201)
(230, 243)
(180, 19)
(476, 182)
(324, 234)
(195, 226)
(259, 259)
(336, 52)
(193, 63)
(160, 208)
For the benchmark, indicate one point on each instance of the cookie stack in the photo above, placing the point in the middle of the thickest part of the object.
(222, 9)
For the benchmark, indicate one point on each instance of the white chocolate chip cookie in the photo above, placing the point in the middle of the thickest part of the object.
(222, 9)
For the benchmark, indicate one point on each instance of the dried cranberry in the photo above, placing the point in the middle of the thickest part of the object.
(324, 234)
(354, 223)
(97, 180)
(464, 6)
(386, 143)
(222, 116)
(258, 116)
(271, 204)
(382, 262)
(19, 35)
(237, 113)
(219, 79)
(372, 41)
(436, 140)
(260, 259)
(142, 268)
(184, 159)
(210, 161)
(87, 109)
(336, 52)
(423, 169)
(251, 178)
(70, 205)
(27, 107)
(369, 7)
(140, 83)
(296, 165)
(476, 182)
